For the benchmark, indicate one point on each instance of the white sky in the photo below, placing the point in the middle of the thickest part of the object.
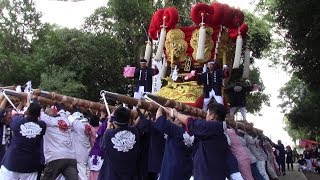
(71, 14)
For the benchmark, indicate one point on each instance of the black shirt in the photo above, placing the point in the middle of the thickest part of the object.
(302, 161)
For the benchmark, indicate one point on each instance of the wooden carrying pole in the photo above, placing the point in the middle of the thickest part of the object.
(189, 110)
(150, 106)
(48, 98)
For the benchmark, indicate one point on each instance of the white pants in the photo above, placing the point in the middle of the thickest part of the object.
(5, 174)
(302, 168)
(212, 94)
(236, 176)
(262, 169)
(83, 171)
(138, 95)
(309, 164)
(242, 110)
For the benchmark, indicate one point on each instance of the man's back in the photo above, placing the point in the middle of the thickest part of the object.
(58, 140)
(23, 154)
(81, 141)
(122, 148)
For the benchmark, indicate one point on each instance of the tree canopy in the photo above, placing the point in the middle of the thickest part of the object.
(81, 62)
(298, 22)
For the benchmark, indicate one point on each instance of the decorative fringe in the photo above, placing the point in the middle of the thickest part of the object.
(147, 53)
(237, 56)
(161, 43)
(201, 43)
(246, 64)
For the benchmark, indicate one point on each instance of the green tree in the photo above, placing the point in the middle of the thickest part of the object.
(58, 79)
(259, 36)
(255, 100)
(19, 26)
(297, 23)
(99, 22)
(301, 107)
(96, 60)
(128, 20)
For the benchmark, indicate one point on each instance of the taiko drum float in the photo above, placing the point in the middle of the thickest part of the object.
(218, 34)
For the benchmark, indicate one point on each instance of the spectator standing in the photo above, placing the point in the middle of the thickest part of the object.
(289, 158)
(307, 157)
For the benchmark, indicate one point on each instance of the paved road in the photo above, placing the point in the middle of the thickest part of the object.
(296, 175)
(293, 175)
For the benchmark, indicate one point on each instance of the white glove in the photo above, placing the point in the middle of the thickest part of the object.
(225, 67)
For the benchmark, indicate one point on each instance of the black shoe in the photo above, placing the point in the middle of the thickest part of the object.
(284, 173)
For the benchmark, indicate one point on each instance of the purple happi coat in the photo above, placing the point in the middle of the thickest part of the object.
(96, 155)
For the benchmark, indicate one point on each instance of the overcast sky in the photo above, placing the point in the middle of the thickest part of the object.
(72, 14)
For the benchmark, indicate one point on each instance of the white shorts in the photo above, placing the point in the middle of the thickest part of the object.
(5, 174)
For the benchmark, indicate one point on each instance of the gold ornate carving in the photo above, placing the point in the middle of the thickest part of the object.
(226, 49)
(186, 92)
(208, 45)
(187, 65)
(176, 46)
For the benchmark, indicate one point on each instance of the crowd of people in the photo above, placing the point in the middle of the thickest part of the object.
(54, 143)
(309, 160)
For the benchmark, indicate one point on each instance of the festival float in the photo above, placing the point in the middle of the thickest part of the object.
(219, 33)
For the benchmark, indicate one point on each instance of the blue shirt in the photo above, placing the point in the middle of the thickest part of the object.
(121, 153)
(156, 144)
(210, 159)
(24, 152)
(177, 158)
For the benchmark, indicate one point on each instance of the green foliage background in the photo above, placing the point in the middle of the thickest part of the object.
(81, 62)
(297, 23)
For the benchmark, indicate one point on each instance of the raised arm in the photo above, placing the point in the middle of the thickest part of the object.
(203, 128)
(144, 124)
(3, 104)
(196, 126)
(47, 119)
(165, 126)
(202, 78)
